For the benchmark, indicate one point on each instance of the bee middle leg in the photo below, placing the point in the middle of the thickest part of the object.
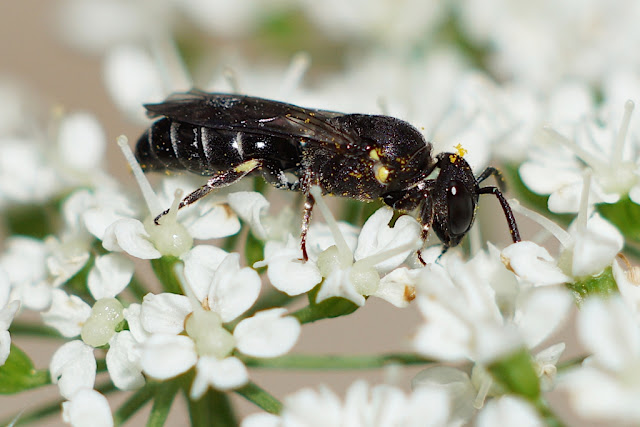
(220, 179)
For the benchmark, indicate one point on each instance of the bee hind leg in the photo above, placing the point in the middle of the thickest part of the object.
(220, 179)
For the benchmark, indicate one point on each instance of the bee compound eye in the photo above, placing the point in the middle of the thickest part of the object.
(461, 208)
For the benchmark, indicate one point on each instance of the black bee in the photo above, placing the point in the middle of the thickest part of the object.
(227, 137)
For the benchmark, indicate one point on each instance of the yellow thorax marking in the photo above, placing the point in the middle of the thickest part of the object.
(381, 173)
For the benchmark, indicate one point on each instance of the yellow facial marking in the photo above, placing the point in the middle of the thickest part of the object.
(374, 155)
(246, 166)
(453, 158)
(381, 173)
(460, 150)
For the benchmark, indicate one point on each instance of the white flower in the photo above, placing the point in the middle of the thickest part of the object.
(123, 361)
(87, 408)
(95, 210)
(73, 368)
(379, 250)
(287, 272)
(384, 22)
(606, 387)
(475, 311)
(462, 392)
(589, 246)
(363, 405)
(24, 261)
(97, 25)
(35, 168)
(509, 411)
(219, 291)
(109, 276)
(583, 43)
(557, 168)
(8, 309)
(67, 313)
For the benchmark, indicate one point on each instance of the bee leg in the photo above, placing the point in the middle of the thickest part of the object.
(306, 218)
(513, 227)
(426, 219)
(218, 180)
(495, 172)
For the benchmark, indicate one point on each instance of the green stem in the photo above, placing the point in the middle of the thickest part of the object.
(212, 409)
(162, 401)
(257, 395)
(324, 362)
(163, 268)
(134, 403)
(30, 329)
(137, 289)
(550, 419)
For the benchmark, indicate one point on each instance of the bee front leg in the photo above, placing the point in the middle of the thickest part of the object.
(218, 180)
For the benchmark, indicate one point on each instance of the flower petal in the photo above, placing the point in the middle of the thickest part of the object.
(376, 237)
(287, 272)
(267, 333)
(166, 356)
(608, 330)
(123, 361)
(200, 266)
(82, 142)
(133, 315)
(87, 408)
(234, 289)
(398, 287)
(67, 313)
(5, 346)
(215, 222)
(110, 274)
(533, 263)
(73, 367)
(164, 313)
(509, 411)
(540, 312)
(250, 206)
(129, 235)
(132, 79)
(225, 374)
(596, 247)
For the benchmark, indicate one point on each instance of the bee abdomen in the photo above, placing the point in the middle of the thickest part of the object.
(169, 144)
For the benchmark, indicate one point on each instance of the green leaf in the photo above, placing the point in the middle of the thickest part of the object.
(332, 307)
(601, 285)
(516, 374)
(31, 220)
(18, 373)
(254, 393)
(624, 215)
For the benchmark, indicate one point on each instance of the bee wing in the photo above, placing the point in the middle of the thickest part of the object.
(252, 115)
